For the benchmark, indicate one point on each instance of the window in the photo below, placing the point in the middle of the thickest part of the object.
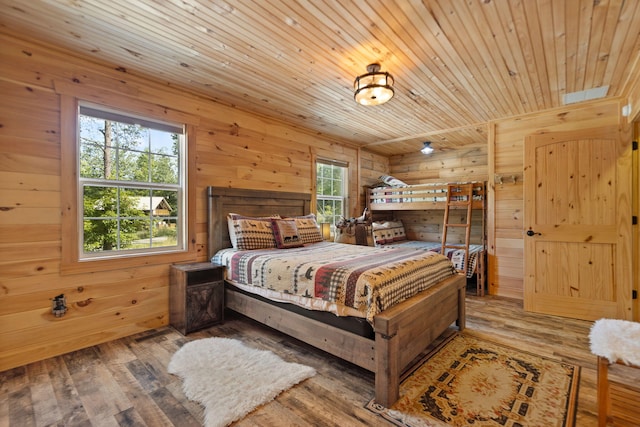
(331, 184)
(130, 184)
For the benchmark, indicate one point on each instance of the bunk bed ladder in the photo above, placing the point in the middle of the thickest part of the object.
(458, 196)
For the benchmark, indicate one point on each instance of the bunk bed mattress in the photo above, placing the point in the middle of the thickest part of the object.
(455, 255)
(419, 193)
(343, 278)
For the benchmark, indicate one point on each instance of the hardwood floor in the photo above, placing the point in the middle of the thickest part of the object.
(125, 382)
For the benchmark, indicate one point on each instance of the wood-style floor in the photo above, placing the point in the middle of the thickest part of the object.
(125, 382)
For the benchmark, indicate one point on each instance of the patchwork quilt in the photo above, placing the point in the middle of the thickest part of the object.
(366, 278)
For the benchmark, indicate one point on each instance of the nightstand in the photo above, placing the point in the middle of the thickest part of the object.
(196, 296)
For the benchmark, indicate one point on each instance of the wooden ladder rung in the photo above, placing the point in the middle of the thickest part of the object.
(454, 247)
(456, 225)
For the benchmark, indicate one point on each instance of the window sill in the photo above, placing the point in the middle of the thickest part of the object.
(123, 262)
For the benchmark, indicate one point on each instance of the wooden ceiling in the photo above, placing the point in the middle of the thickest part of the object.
(457, 63)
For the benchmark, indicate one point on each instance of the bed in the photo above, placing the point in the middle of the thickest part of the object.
(391, 203)
(401, 332)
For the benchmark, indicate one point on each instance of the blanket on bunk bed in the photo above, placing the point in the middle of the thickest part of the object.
(368, 279)
(455, 255)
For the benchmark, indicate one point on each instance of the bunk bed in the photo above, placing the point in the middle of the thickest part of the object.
(418, 197)
(399, 333)
(383, 201)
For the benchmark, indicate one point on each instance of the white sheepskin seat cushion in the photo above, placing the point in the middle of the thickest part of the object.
(616, 340)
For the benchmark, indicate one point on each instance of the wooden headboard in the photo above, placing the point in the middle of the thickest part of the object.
(221, 201)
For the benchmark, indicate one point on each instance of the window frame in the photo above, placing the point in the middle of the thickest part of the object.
(345, 188)
(72, 259)
(92, 110)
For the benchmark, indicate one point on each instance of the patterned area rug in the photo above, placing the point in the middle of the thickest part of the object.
(471, 382)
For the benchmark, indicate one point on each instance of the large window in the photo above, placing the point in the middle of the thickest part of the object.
(131, 184)
(331, 191)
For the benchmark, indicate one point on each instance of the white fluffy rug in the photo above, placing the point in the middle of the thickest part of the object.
(230, 379)
(616, 339)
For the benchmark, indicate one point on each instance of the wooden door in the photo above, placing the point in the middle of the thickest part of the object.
(578, 224)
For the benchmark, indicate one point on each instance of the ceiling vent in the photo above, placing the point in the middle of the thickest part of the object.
(585, 95)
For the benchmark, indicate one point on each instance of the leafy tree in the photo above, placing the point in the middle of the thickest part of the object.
(102, 234)
(103, 142)
(159, 167)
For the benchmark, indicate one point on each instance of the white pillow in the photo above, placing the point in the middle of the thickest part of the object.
(388, 232)
(392, 181)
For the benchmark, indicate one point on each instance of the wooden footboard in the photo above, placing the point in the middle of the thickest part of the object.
(402, 332)
(406, 330)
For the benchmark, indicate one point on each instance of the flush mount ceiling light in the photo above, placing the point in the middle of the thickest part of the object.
(427, 149)
(374, 87)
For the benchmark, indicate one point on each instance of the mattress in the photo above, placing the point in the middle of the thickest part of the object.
(339, 278)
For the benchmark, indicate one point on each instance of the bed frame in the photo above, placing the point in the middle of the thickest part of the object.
(402, 332)
(418, 197)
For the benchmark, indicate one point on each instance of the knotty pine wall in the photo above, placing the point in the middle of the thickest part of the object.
(466, 164)
(233, 149)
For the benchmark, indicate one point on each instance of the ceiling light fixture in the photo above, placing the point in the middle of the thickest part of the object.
(374, 87)
(427, 149)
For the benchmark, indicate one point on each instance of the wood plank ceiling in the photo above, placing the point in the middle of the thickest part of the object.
(457, 63)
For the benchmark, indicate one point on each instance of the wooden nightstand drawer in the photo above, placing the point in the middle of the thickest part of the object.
(196, 296)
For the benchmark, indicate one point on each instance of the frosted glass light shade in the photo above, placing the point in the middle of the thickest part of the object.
(374, 87)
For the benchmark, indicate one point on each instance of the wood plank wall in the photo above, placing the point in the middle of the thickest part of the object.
(427, 225)
(372, 166)
(234, 149)
(467, 164)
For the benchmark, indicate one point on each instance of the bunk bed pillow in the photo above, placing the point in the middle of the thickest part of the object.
(308, 228)
(388, 232)
(379, 232)
(286, 233)
(248, 233)
(392, 181)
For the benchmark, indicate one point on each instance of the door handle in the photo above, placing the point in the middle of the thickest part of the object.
(533, 233)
